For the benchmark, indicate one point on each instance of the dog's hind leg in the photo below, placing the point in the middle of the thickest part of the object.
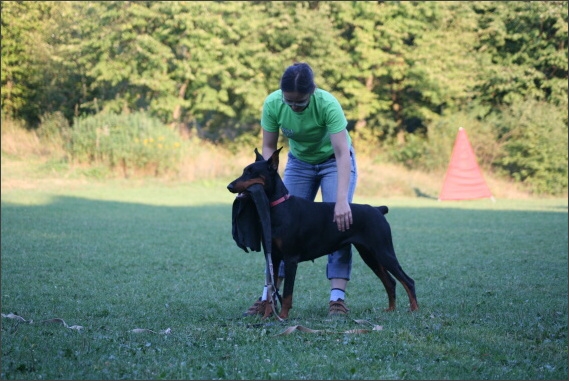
(390, 286)
(391, 264)
(409, 285)
(388, 282)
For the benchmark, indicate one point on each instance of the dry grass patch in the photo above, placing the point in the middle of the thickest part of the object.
(204, 160)
(390, 180)
(28, 162)
(17, 141)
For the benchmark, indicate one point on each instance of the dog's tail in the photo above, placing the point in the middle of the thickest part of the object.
(383, 209)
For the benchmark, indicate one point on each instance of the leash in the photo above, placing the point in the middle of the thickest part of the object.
(271, 289)
(262, 204)
(301, 328)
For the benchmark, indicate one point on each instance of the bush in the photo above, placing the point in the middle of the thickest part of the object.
(131, 142)
(433, 152)
(534, 151)
(54, 129)
(410, 154)
(526, 142)
(442, 136)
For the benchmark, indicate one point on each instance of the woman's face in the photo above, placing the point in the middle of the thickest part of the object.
(296, 101)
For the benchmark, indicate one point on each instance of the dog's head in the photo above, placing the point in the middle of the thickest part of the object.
(260, 172)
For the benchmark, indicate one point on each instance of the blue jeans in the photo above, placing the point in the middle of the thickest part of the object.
(303, 180)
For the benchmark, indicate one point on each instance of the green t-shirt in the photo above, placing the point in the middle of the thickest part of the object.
(308, 131)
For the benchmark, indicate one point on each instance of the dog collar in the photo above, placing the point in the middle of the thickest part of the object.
(280, 200)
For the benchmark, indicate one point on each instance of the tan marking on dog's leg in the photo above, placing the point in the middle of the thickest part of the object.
(268, 310)
(286, 306)
(391, 306)
(413, 306)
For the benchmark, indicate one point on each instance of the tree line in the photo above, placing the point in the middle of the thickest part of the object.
(408, 73)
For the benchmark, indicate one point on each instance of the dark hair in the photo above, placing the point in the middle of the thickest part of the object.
(298, 78)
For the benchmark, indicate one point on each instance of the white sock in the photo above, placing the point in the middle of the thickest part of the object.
(264, 297)
(336, 294)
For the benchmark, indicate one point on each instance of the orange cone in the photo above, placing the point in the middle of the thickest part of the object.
(463, 179)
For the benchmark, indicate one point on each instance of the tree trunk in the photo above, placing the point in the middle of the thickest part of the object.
(177, 113)
(396, 106)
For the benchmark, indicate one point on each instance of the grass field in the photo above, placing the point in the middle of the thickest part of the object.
(152, 274)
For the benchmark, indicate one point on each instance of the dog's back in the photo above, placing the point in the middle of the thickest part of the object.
(313, 232)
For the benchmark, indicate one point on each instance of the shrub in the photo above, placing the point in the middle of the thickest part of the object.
(131, 142)
(534, 151)
(54, 129)
(442, 136)
(433, 151)
(410, 153)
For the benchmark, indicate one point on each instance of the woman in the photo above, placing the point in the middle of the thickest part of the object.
(321, 156)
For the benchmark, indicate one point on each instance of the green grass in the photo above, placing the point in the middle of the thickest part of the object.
(112, 257)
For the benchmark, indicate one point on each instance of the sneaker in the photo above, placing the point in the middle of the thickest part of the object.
(258, 308)
(337, 307)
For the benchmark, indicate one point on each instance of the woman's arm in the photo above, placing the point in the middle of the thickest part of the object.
(342, 211)
(270, 140)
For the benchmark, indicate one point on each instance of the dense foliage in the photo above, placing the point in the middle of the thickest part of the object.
(408, 74)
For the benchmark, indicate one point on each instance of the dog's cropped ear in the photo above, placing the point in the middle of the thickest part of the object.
(274, 159)
(258, 157)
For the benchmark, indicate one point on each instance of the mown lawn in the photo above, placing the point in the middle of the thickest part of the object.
(152, 275)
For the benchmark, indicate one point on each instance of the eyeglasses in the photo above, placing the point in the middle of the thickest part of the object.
(296, 104)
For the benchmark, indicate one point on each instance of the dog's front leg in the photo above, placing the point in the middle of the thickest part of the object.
(268, 309)
(290, 275)
(269, 306)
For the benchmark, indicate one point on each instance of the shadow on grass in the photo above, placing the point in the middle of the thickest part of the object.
(420, 193)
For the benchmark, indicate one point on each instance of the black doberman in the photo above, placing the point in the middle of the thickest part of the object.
(303, 230)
